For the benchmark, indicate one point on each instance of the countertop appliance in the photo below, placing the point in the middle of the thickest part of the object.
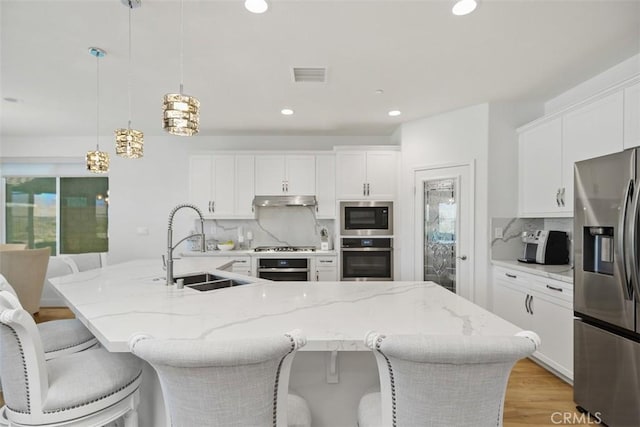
(546, 247)
(606, 288)
(369, 258)
(366, 218)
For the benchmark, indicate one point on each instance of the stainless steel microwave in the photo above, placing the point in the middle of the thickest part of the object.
(366, 218)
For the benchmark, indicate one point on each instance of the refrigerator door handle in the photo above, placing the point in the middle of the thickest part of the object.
(622, 242)
(632, 234)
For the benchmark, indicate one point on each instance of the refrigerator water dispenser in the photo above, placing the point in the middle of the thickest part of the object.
(598, 250)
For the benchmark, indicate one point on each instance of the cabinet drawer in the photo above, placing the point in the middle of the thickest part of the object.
(553, 289)
(512, 277)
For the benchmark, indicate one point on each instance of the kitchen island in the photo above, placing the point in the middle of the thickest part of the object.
(332, 371)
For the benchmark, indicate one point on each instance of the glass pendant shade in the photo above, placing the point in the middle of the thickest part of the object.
(97, 161)
(129, 143)
(181, 114)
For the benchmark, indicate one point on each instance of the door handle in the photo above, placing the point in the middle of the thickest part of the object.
(213, 206)
(364, 189)
(530, 302)
(209, 206)
(368, 192)
(562, 196)
(526, 304)
(553, 288)
(513, 276)
(462, 257)
(558, 198)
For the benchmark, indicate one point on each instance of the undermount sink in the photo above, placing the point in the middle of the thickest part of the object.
(208, 281)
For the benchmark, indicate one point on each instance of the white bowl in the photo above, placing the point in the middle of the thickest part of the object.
(226, 246)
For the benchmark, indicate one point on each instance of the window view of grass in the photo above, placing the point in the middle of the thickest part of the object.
(31, 213)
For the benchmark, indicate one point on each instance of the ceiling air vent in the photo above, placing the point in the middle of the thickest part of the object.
(309, 74)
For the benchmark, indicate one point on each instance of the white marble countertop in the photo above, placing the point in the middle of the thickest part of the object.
(563, 273)
(122, 299)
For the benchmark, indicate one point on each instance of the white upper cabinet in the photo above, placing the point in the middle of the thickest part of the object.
(293, 174)
(548, 151)
(245, 185)
(326, 185)
(632, 116)
(366, 174)
(590, 131)
(540, 163)
(220, 185)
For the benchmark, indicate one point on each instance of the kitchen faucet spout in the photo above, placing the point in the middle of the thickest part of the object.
(171, 246)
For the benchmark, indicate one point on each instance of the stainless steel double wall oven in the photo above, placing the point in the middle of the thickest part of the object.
(366, 241)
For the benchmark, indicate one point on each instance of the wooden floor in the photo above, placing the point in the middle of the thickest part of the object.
(535, 397)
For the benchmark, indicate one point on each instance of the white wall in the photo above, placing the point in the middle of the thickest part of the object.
(616, 74)
(459, 136)
(142, 192)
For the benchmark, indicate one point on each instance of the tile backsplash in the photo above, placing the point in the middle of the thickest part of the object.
(510, 246)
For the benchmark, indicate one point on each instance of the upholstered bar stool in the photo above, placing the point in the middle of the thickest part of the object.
(89, 388)
(12, 246)
(26, 270)
(226, 383)
(59, 337)
(442, 380)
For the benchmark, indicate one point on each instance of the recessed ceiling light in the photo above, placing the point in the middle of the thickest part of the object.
(395, 113)
(256, 6)
(379, 91)
(464, 7)
(286, 111)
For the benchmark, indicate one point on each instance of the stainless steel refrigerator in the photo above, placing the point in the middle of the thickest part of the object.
(606, 288)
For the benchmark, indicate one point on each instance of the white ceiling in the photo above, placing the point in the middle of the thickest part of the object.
(239, 64)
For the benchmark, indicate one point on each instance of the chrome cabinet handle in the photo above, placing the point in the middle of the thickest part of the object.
(530, 302)
(513, 276)
(526, 303)
(562, 196)
(553, 288)
(368, 189)
(558, 198)
(364, 189)
(317, 276)
(213, 206)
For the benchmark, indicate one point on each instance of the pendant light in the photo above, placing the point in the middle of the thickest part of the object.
(130, 142)
(181, 113)
(97, 161)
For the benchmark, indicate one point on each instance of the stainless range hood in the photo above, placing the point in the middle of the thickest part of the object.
(279, 201)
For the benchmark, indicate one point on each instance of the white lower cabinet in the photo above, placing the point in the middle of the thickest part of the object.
(324, 268)
(542, 305)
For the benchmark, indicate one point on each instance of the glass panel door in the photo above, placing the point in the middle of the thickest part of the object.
(440, 223)
(30, 205)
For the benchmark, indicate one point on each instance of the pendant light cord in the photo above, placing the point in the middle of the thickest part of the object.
(181, 46)
(98, 102)
(129, 71)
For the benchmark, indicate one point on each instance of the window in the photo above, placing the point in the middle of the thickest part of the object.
(68, 215)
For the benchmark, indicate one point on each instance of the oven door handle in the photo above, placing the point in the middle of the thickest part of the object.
(283, 270)
(366, 249)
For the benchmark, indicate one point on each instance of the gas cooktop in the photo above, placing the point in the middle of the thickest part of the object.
(285, 249)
